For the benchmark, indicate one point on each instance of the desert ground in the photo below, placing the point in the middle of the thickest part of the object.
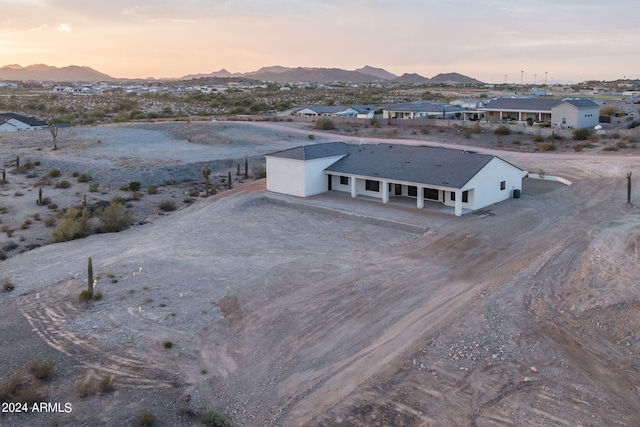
(294, 312)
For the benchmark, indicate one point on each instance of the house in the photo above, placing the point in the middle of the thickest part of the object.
(459, 179)
(566, 113)
(422, 110)
(358, 111)
(318, 110)
(10, 122)
(576, 114)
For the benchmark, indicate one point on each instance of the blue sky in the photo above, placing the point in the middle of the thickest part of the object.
(562, 40)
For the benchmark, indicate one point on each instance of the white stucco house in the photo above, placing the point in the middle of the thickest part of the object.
(462, 180)
(10, 122)
(565, 113)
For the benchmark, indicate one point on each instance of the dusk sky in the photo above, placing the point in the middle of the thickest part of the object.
(569, 40)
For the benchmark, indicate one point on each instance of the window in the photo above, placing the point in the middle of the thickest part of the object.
(430, 193)
(370, 185)
(412, 191)
(465, 196)
(453, 196)
(344, 180)
(503, 185)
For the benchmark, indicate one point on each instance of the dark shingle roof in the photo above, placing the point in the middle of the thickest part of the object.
(581, 103)
(521, 104)
(31, 121)
(421, 165)
(313, 151)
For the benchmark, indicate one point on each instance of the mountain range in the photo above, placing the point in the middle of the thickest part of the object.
(366, 74)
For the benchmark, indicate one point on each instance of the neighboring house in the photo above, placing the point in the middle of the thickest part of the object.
(422, 110)
(318, 110)
(468, 103)
(10, 122)
(358, 111)
(566, 113)
(455, 178)
(576, 113)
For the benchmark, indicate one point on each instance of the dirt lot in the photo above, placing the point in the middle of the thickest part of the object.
(523, 314)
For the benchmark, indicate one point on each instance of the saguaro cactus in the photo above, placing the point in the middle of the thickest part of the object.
(206, 173)
(628, 187)
(89, 279)
(54, 133)
(17, 162)
(230, 183)
(40, 196)
(246, 167)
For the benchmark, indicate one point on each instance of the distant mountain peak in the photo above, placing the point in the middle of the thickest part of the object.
(376, 72)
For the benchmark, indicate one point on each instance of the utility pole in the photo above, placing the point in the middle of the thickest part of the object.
(521, 78)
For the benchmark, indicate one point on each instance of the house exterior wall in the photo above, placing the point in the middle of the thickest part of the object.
(298, 177)
(486, 184)
(285, 176)
(575, 118)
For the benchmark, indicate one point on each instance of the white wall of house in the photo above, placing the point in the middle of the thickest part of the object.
(13, 125)
(486, 184)
(300, 178)
(574, 117)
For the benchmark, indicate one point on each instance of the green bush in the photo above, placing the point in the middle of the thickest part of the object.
(41, 369)
(259, 171)
(214, 419)
(581, 134)
(152, 190)
(134, 186)
(63, 184)
(547, 146)
(72, 225)
(93, 187)
(114, 218)
(145, 419)
(167, 206)
(502, 130)
(324, 123)
(54, 173)
(84, 177)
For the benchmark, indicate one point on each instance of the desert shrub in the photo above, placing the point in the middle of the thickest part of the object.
(86, 388)
(152, 190)
(7, 286)
(167, 344)
(580, 147)
(93, 187)
(610, 148)
(145, 419)
(547, 146)
(118, 199)
(63, 184)
(4, 209)
(516, 142)
(468, 132)
(324, 123)
(19, 389)
(621, 144)
(114, 218)
(84, 177)
(259, 171)
(41, 369)
(167, 206)
(134, 186)
(538, 138)
(52, 206)
(312, 136)
(75, 174)
(3, 255)
(502, 130)
(213, 418)
(18, 194)
(72, 225)
(106, 384)
(581, 134)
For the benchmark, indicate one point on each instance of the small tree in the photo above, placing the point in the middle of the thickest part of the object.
(114, 218)
(502, 130)
(72, 225)
(324, 123)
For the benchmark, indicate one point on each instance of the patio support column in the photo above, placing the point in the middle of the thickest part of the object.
(519, 116)
(500, 115)
(352, 183)
(385, 191)
(420, 201)
(458, 204)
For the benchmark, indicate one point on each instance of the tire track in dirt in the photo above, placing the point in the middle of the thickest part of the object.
(47, 311)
